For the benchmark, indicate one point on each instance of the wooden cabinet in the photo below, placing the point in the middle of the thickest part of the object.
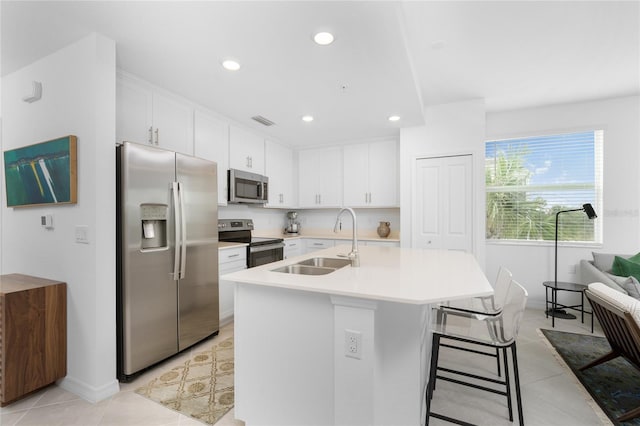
(279, 168)
(371, 174)
(145, 114)
(229, 260)
(246, 150)
(211, 142)
(320, 177)
(33, 334)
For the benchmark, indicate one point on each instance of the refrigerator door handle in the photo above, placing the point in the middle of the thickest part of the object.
(178, 229)
(183, 232)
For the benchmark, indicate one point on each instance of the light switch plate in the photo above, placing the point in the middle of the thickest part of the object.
(82, 234)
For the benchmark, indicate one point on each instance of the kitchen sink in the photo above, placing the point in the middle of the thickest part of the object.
(304, 270)
(326, 262)
(314, 266)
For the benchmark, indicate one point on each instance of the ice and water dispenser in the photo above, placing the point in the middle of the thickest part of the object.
(154, 226)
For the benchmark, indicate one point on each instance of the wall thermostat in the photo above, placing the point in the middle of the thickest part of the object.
(47, 221)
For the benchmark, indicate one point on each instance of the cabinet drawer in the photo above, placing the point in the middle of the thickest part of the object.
(232, 254)
(318, 244)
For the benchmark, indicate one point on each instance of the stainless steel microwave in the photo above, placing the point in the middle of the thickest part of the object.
(246, 187)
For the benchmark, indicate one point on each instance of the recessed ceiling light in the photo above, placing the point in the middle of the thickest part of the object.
(231, 65)
(307, 118)
(394, 118)
(323, 38)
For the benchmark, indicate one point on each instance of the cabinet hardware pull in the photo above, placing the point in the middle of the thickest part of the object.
(157, 136)
(234, 255)
(151, 135)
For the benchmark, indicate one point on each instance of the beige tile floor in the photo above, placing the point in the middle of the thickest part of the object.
(550, 393)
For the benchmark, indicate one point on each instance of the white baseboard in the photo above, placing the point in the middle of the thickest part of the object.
(90, 393)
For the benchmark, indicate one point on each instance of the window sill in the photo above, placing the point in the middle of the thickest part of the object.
(593, 245)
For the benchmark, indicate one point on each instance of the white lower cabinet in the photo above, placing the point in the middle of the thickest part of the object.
(293, 248)
(229, 260)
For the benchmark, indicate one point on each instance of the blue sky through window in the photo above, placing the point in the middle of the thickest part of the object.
(557, 160)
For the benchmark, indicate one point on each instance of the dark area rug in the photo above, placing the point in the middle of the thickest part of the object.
(614, 385)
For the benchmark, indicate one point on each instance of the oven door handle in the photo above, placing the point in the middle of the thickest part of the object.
(265, 247)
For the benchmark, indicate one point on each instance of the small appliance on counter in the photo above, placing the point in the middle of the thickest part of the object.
(261, 250)
(293, 228)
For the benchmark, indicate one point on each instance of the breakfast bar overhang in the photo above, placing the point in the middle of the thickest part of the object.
(294, 354)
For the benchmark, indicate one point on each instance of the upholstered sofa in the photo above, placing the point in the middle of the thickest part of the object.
(599, 270)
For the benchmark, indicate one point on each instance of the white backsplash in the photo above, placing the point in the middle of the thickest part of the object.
(320, 219)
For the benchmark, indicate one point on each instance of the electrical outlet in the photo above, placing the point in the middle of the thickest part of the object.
(353, 344)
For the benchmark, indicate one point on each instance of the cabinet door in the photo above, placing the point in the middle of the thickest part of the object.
(292, 248)
(172, 124)
(356, 175)
(133, 112)
(279, 169)
(211, 142)
(308, 171)
(383, 174)
(246, 150)
(330, 177)
(230, 260)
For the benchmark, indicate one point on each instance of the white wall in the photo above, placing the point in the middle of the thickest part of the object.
(78, 98)
(531, 265)
(450, 129)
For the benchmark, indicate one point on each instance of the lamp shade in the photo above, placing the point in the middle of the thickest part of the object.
(588, 209)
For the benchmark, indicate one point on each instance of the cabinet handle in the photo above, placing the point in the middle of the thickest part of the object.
(318, 244)
(319, 198)
(151, 135)
(292, 245)
(366, 198)
(233, 255)
(281, 198)
(157, 136)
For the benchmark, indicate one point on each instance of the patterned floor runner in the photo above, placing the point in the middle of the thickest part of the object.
(201, 388)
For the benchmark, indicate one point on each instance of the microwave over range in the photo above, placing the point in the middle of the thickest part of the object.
(246, 187)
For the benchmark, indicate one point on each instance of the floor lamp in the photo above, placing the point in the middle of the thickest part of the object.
(591, 214)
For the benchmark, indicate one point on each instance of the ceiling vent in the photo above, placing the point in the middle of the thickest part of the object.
(264, 121)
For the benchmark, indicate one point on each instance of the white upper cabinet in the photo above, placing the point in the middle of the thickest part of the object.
(371, 174)
(148, 115)
(211, 142)
(246, 150)
(320, 177)
(279, 170)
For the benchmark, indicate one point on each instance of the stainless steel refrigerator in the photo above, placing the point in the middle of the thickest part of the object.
(167, 251)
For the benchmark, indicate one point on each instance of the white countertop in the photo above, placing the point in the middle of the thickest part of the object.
(415, 276)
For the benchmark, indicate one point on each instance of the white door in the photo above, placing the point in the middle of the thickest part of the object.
(443, 203)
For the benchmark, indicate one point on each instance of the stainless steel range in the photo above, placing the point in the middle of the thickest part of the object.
(260, 251)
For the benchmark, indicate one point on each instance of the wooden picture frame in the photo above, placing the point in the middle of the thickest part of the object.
(42, 174)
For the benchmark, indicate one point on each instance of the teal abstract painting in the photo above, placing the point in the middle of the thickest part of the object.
(44, 173)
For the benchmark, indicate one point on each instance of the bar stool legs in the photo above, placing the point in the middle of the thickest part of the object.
(433, 376)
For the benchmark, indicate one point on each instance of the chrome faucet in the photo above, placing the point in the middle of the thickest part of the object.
(354, 256)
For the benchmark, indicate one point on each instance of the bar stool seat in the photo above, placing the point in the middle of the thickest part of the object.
(498, 332)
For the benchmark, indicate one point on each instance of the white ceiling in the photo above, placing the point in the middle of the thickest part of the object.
(393, 57)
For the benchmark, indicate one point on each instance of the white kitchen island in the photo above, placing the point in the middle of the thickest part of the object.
(291, 360)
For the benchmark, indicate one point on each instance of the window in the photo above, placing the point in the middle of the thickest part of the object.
(528, 180)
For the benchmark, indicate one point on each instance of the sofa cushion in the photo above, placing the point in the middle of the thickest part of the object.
(617, 282)
(604, 261)
(632, 286)
(625, 267)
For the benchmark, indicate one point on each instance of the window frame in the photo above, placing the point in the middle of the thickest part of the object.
(599, 136)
